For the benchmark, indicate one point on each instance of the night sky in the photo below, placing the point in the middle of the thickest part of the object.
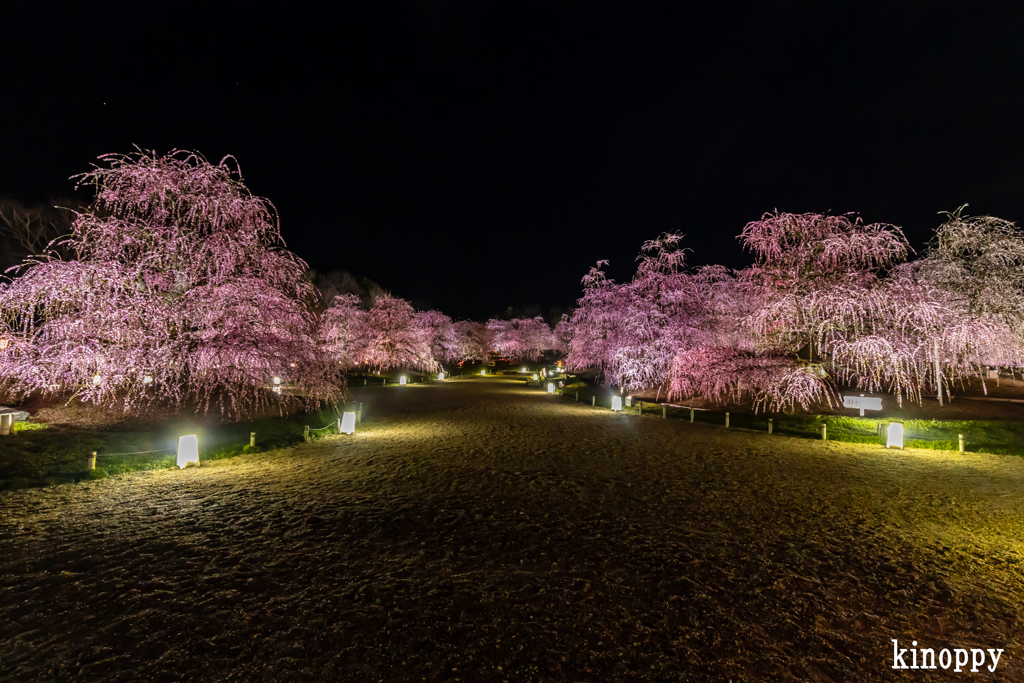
(471, 156)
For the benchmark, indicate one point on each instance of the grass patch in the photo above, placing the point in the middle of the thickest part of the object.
(41, 455)
(19, 427)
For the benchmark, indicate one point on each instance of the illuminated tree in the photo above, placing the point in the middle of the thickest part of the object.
(389, 336)
(437, 334)
(341, 330)
(520, 338)
(979, 261)
(839, 287)
(180, 292)
(807, 266)
(472, 341)
(632, 332)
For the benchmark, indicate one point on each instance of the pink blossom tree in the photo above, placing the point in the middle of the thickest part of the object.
(631, 332)
(180, 292)
(840, 287)
(342, 328)
(520, 338)
(438, 335)
(389, 336)
(472, 341)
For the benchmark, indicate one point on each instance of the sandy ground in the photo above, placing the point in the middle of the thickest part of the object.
(483, 531)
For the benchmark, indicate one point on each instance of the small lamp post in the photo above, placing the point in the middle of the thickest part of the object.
(348, 423)
(551, 387)
(616, 403)
(401, 380)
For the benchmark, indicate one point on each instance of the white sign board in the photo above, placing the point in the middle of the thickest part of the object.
(862, 402)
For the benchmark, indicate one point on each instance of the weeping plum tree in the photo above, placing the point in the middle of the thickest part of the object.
(389, 336)
(840, 287)
(520, 338)
(342, 335)
(631, 332)
(813, 275)
(472, 341)
(438, 336)
(179, 291)
(979, 260)
(937, 320)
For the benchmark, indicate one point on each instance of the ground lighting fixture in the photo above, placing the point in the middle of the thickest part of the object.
(188, 450)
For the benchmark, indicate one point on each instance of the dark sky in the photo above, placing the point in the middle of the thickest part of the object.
(477, 155)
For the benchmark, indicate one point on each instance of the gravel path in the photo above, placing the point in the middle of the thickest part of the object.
(483, 531)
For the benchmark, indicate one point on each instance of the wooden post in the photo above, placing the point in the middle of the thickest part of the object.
(691, 415)
(339, 425)
(305, 434)
(593, 400)
(383, 381)
(727, 420)
(252, 439)
(359, 414)
(770, 425)
(664, 412)
(91, 462)
(364, 381)
(938, 372)
(963, 443)
(824, 432)
(577, 396)
(6, 420)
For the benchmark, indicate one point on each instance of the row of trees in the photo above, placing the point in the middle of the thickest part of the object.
(828, 302)
(175, 287)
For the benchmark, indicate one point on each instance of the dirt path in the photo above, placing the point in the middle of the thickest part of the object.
(483, 531)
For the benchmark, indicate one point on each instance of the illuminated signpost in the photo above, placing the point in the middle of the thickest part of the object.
(862, 402)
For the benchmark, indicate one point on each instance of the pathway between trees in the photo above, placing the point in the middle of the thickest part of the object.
(483, 531)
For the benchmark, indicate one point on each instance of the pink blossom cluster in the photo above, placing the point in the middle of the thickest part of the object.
(390, 333)
(828, 302)
(521, 338)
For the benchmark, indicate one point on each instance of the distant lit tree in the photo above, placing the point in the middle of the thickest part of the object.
(472, 341)
(390, 337)
(342, 330)
(520, 338)
(437, 334)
